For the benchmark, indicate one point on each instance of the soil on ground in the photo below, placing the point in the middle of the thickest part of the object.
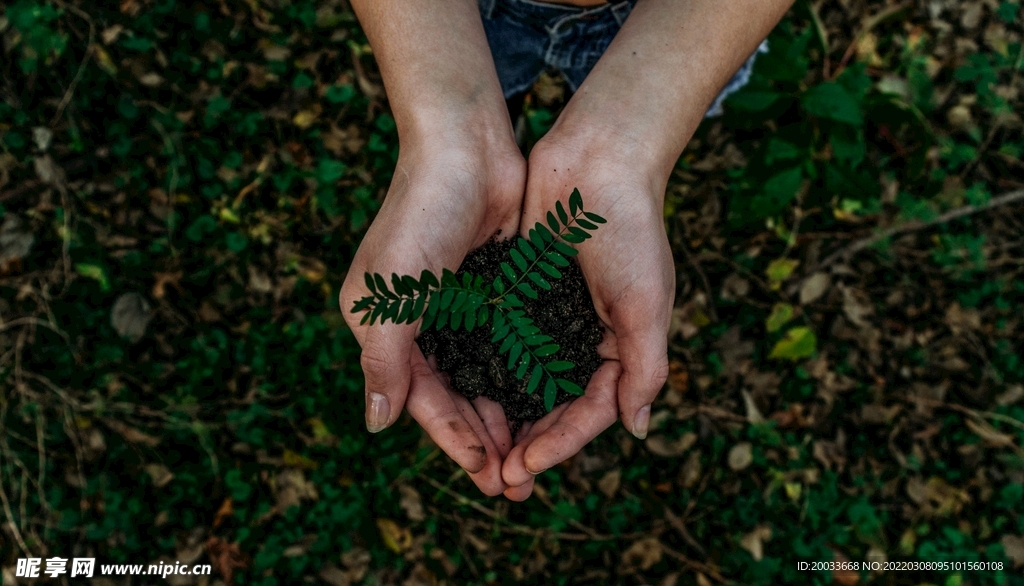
(472, 362)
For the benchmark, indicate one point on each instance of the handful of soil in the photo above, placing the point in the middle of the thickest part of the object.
(566, 313)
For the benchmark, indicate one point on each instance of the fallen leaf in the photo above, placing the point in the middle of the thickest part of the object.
(878, 414)
(1011, 396)
(42, 136)
(395, 537)
(753, 413)
(164, 279)
(226, 510)
(856, 305)
(735, 287)
(151, 79)
(990, 435)
(609, 483)
(160, 474)
(753, 542)
(109, 35)
(290, 488)
(781, 314)
(334, 575)
(15, 241)
(844, 577)
(48, 171)
(131, 434)
(960, 320)
(659, 445)
(225, 557)
(643, 554)
(357, 560)
(130, 316)
(690, 473)
(814, 287)
(1013, 545)
(411, 503)
(297, 460)
(741, 455)
(305, 118)
(779, 270)
(800, 342)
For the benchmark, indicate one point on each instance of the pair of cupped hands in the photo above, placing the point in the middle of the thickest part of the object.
(450, 194)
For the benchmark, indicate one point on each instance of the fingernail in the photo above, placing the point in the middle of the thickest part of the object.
(535, 473)
(378, 413)
(642, 420)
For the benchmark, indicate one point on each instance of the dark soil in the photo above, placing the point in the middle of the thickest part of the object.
(566, 313)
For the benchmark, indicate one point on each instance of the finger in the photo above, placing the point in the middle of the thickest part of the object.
(584, 420)
(519, 493)
(488, 479)
(496, 424)
(433, 407)
(514, 471)
(385, 361)
(643, 353)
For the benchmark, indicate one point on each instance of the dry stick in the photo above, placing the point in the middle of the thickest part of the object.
(10, 522)
(81, 68)
(515, 528)
(1005, 199)
(869, 24)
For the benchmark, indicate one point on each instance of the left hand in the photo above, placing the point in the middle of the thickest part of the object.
(629, 269)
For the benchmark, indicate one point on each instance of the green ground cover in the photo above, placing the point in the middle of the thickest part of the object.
(182, 187)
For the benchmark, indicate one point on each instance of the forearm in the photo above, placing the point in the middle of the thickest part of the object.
(436, 65)
(653, 85)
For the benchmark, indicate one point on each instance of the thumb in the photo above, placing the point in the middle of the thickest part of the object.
(387, 349)
(643, 354)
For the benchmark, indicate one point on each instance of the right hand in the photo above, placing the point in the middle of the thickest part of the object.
(448, 196)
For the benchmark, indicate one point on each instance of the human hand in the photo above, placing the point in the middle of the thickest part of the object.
(629, 270)
(447, 197)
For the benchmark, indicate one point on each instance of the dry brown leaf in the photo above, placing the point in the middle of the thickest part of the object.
(225, 557)
(960, 320)
(990, 435)
(1011, 396)
(659, 445)
(109, 35)
(753, 542)
(259, 281)
(741, 455)
(357, 560)
(160, 474)
(290, 488)
(411, 503)
(690, 473)
(334, 575)
(878, 414)
(609, 483)
(856, 305)
(814, 287)
(643, 554)
(131, 434)
(753, 413)
(844, 577)
(1013, 545)
(226, 509)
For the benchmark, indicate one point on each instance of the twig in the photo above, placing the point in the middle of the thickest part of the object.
(10, 522)
(81, 68)
(506, 525)
(703, 568)
(869, 24)
(845, 253)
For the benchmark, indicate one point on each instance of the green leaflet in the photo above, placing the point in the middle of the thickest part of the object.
(464, 301)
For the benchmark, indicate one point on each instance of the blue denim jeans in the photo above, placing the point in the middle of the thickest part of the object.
(528, 37)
